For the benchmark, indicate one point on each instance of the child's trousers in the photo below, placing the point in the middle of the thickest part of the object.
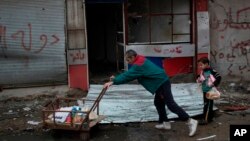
(208, 112)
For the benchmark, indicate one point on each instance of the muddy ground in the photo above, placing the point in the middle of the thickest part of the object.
(22, 116)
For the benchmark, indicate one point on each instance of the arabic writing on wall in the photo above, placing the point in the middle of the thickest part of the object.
(233, 44)
(176, 50)
(223, 24)
(77, 56)
(22, 34)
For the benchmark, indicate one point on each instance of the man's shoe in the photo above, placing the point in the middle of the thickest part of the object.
(192, 125)
(164, 125)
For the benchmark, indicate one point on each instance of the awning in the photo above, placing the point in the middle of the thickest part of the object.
(105, 1)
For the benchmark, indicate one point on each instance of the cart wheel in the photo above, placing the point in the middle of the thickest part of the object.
(84, 136)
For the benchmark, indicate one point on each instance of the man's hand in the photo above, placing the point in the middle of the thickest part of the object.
(108, 84)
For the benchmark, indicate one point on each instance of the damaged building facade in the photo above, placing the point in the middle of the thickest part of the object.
(46, 42)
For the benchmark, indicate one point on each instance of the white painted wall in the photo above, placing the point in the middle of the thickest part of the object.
(230, 37)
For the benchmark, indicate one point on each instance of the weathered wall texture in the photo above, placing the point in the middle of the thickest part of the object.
(230, 37)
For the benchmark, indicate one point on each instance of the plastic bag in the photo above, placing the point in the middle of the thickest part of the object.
(201, 78)
(213, 94)
(211, 80)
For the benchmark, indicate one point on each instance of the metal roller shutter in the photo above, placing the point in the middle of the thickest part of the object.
(32, 42)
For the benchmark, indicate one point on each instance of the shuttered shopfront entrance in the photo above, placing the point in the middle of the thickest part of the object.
(32, 42)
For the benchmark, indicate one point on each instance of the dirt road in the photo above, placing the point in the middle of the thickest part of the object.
(15, 112)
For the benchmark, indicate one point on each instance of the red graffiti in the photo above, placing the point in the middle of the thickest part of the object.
(241, 68)
(220, 26)
(44, 39)
(213, 54)
(230, 57)
(22, 35)
(240, 11)
(77, 55)
(157, 50)
(177, 50)
(242, 44)
(56, 40)
(15, 35)
(221, 55)
(229, 69)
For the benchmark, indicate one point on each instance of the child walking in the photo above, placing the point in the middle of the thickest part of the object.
(206, 74)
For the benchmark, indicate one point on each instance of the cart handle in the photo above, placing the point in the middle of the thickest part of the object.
(98, 99)
(96, 103)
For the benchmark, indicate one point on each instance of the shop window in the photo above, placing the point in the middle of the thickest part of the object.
(158, 21)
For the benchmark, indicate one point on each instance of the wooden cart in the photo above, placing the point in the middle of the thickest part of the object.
(83, 126)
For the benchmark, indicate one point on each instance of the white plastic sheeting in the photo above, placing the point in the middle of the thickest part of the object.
(132, 103)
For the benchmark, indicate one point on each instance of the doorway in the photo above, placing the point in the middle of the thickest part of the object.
(104, 31)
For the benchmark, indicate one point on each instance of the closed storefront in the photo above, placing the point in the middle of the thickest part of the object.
(32, 42)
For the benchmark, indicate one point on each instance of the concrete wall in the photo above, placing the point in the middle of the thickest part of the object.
(230, 37)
